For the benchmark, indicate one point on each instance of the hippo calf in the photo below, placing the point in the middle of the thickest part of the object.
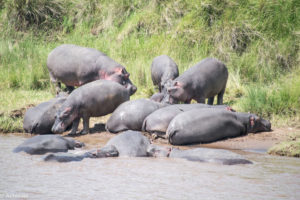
(40, 119)
(204, 80)
(75, 66)
(163, 70)
(158, 121)
(209, 125)
(42, 144)
(130, 115)
(94, 99)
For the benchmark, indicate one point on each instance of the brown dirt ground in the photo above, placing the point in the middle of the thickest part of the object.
(98, 137)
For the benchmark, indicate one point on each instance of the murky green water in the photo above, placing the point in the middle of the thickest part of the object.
(27, 177)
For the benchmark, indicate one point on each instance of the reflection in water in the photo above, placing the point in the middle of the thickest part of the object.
(25, 176)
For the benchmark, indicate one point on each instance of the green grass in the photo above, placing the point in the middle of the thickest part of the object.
(258, 40)
(290, 147)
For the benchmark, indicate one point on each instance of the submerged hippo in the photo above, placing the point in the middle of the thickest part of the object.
(163, 70)
(134, 144)
(42, 144)
(75, 66)
(158, 121)
(40, 119)
(209, 125)
(204, 80)
(130, 115)
(94, 99)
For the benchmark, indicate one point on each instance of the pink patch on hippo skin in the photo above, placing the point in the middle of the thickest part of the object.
(251, 121)
(118, 70)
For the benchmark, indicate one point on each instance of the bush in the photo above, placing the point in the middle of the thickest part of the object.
(45, 14)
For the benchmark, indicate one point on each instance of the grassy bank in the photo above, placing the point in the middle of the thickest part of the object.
(257, 40)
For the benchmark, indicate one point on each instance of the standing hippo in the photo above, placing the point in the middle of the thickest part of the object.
(74, 66)
(40, 119)
(204, 80)
(130, 115)
(209, 125)
(158, 121)
(41, 144)
(94, 99)
(163, 70)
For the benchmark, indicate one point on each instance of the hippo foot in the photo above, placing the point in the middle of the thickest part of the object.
(72, 134)
(83, 132)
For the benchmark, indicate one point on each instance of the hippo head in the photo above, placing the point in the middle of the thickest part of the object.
(63, 118)
(176, 92)
(121, 76)
(157, 151)
(258, 124)
(107, 151)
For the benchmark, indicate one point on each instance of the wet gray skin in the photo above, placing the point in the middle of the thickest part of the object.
(206, 79)
(163, 69)
(94, 99)
(158, 121)
(42, 144)
(131, 114)
(209, 125)
(40, 119)
(75, 66)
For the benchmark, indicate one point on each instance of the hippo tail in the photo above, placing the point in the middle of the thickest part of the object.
(144, 126)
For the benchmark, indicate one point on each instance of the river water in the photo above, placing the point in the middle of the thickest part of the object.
(27, 177)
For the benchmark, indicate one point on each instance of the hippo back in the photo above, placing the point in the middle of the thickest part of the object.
(131, 114)
(130, 143)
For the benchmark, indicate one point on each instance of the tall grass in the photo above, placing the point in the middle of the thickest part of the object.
(258, 40)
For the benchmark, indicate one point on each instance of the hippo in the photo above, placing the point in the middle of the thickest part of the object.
(204, 80)
(75, 66)
(135, 144)
(158, 97)
(209, 125)
(163, 70)
(209, 155)
(94, 99)
(40, 119)
(41, 144)
(158, 121)
(130, 115)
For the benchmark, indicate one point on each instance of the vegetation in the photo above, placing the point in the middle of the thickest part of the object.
(290, 147)
(258, 40)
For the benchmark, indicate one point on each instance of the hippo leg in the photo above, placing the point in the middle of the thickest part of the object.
(210, 100)
(74, 126)
(86, 125)
(220, 97)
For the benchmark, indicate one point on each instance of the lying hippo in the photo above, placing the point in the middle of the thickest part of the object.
(158, 121)
(126, 144)
(130, 115)
(94, 99)
(209, 125)
(75, 66)
(40, 119)
(204, 80)
(163, 70)
(219, 156)
(41, 144)
(134, 144)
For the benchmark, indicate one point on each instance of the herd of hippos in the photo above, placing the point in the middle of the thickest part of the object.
(104, 87)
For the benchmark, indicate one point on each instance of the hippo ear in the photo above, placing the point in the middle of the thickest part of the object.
(118, 70)
(178, 84)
